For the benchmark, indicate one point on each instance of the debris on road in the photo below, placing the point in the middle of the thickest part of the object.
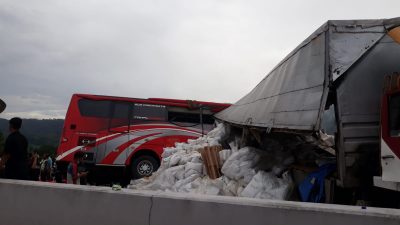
(183, 170)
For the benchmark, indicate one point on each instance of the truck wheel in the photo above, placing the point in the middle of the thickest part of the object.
(143, 166)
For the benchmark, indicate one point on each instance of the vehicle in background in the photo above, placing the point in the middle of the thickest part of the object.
(125, 137)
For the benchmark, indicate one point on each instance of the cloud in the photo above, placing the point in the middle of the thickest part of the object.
(205, 50)
(44, 107)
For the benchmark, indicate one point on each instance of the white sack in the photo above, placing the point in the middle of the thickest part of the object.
(267, 186)
(240, 164)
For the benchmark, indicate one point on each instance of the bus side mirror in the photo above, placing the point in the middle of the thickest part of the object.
(395, 34)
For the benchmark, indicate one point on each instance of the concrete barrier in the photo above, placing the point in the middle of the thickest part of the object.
(30, 203)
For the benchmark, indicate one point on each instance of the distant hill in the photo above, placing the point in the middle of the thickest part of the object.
(43, 135)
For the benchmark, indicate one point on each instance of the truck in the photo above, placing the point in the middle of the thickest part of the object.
(344, 78)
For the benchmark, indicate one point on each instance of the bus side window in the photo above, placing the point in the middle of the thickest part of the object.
(119, 119)
(92, 108)
(183, 117)
(208, 119)
(96, 114)
(189, 118)
(146, 113)
(394, 115)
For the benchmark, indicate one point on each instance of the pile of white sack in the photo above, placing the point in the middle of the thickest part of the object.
(182, 170)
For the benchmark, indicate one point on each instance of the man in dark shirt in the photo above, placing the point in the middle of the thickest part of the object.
(16, 151)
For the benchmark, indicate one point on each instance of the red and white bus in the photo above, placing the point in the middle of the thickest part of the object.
(130, 133)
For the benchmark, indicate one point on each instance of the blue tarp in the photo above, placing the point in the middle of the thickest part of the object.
(312, 189)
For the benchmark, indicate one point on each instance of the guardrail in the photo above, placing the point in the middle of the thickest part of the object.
(27, 202)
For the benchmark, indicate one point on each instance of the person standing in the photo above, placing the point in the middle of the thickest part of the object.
(73, 174)
(16, 152)
(34, 166)
(45, 168)
(49, 163)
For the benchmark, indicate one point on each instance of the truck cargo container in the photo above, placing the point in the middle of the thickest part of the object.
(345, 71)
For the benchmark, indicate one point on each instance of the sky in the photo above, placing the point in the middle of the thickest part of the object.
(210, 50)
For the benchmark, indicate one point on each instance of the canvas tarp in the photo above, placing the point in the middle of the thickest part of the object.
(294, 93)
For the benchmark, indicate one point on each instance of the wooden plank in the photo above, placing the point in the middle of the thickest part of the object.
(210, 156)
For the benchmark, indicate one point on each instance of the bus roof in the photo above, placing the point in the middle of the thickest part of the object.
(190, 104)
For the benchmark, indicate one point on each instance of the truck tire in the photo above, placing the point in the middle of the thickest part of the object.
(143, 166)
